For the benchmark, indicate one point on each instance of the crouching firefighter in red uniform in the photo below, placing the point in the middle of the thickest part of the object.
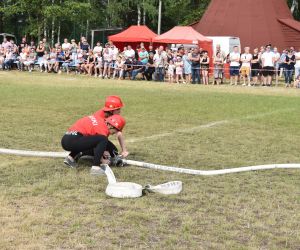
(89, 136)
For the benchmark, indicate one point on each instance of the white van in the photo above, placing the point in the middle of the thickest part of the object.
(226, 42)
(7, 36)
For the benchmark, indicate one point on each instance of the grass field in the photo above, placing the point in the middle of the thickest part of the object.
(45, 205)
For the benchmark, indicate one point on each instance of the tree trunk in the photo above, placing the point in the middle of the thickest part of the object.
(139, 15)
(52, 31)
(58, 32)
(144, 13)
(45, 27)
(87, 28)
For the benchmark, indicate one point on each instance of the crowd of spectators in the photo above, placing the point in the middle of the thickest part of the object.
(175, 65)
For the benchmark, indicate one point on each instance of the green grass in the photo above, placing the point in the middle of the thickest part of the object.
(47, 206)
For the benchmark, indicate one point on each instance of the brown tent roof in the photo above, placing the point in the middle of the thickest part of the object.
(255, 22)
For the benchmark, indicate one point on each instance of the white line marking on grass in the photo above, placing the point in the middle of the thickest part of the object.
(205, 126)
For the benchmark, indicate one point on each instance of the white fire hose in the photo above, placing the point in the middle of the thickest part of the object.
(133, 190)
(156, 166)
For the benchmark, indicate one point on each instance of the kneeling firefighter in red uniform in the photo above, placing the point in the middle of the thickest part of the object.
(112, 106)
(89, 136)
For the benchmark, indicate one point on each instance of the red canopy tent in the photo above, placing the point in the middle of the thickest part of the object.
(185, 35)
(255, 22)
(133, 35)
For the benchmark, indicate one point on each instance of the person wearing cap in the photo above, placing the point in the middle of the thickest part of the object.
(89, 136)
(112, 106)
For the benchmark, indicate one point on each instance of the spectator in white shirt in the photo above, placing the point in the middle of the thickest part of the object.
(268, 61)
(246, 58)
(297, 64)
(234, 58)
(98, 48)
(21, 59)
(66, 45)
(107, 59)
(129, 53)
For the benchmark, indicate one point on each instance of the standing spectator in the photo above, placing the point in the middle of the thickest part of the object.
(150, 68)
(276, 63)
(159, 61)
(187, 68)
(179, 70)
(268, 61)
(218, 68)
(21, 59)
(246, 58)
(170, 56)
(281, 62)
(255, 66)
(98, 64)
(98, 48)
(297, 64)
(30, 59)
(151, 50)
(118, 69)
(66, 45)
(84, 46)
(195, 59)
(107, 58)
(143, 55)
(261, 76)
(114, 51)
(23, 44)
(204, 64)
(289, 68)
(46, 45)
(52, 59)
(170, 72)
(6, 44)
(40, 53)
(234, 58)
(223, 56)
(73, 46)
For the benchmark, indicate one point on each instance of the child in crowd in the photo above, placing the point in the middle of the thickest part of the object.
(171, 69)
(22, 58)
(98, 64)
(45, 61)
(179, 70)
(118, 68)
(297, 82)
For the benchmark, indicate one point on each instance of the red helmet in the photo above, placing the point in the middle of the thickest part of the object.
(116, 121)
(113, 102)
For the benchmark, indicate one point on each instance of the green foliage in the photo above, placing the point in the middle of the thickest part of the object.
(36, 16)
